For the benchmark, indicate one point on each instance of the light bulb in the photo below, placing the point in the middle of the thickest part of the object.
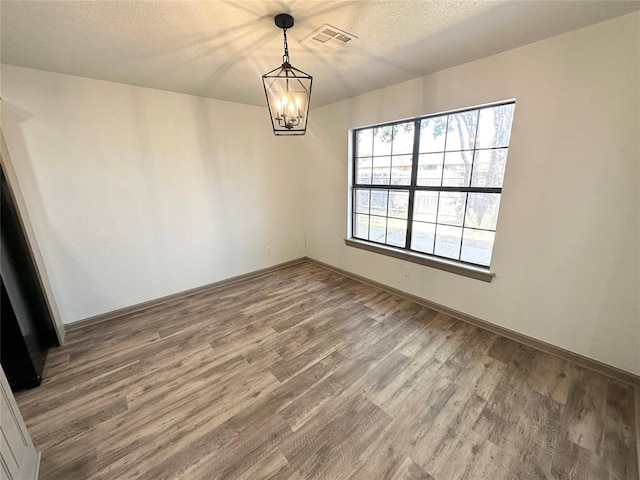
(298, 102)
(285, 100)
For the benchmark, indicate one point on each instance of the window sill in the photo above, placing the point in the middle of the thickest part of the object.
(479, 273)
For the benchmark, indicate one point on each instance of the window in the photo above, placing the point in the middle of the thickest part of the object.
(432, 185)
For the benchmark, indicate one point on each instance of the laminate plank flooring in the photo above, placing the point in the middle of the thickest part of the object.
(303, 373)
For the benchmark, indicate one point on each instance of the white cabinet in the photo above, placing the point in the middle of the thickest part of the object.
(18, 456)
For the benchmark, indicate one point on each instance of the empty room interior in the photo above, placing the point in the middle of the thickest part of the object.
(320, 239)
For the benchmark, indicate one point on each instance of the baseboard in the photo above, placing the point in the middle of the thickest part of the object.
(581, 360)
(104, 317)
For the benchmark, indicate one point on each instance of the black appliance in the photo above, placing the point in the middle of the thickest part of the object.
(26, 326)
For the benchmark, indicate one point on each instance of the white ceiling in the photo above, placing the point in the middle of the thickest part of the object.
(219, 49)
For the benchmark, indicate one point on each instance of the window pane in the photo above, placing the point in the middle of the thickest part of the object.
(377, 229)
(457, 169)
(401, 170)
(451, 208)
(488, 168)
(364, 176)
(403, 138)
(422, 236)
(379, 202)
(381, 170)
(380, 162)
(448, 241)
(477, 246)
(396, 232)
(364, 139)
(430, 169)
(461, 132)
(361, 229)
(382, 141)
(364, 162)
(432, 134)
(363, 170)
(380, 176)
(482, 210)
(362, 201)
(494, 126)
(425, 207)
(398, 204)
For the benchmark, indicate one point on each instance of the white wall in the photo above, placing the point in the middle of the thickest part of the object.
(136, 193)
(567, 247)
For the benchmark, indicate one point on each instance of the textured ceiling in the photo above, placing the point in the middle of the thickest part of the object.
(219, 49)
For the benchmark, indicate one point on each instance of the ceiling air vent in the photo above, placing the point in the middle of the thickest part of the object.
(329, 38)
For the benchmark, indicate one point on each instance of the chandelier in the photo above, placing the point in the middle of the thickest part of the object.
(288, 90)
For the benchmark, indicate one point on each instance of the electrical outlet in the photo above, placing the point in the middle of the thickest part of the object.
(406, 270)
(267, 249)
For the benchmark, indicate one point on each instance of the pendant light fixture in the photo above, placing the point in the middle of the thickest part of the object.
(288, 90)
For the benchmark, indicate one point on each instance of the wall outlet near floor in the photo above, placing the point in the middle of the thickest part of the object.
(267, 249)
(406, 270)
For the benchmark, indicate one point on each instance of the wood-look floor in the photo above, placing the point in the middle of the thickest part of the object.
(305, 374)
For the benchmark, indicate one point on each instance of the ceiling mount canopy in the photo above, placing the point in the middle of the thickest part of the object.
(283, 20)
(288, 90)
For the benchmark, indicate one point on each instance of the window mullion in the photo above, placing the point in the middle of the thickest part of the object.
(414, 181)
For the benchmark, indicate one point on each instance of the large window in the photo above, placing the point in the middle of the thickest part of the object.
(432, 185)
